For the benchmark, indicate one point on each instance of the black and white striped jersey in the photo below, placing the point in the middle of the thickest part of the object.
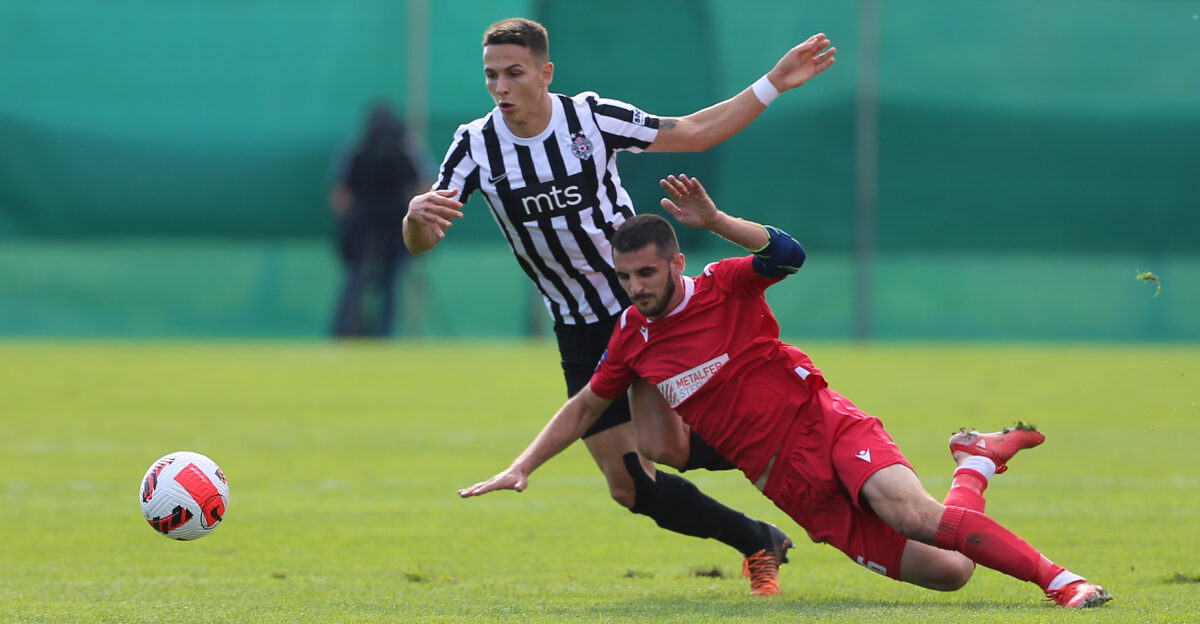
(557, 196)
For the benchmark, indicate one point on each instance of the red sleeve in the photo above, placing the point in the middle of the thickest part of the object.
(738, 277)
(613, 375)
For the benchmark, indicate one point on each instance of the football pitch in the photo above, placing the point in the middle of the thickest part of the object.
(343, 461)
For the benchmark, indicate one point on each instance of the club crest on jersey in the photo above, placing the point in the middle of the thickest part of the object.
(581, 146)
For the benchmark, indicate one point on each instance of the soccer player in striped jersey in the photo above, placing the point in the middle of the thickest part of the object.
(546, 165)
(711, 345)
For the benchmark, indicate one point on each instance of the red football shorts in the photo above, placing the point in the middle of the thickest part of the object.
(825, 458)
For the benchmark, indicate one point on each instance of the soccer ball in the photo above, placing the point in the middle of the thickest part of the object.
(184, 495)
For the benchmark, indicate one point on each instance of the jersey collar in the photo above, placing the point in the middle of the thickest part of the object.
(689, 288)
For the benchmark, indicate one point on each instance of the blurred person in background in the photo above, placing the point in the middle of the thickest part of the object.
(374, 182)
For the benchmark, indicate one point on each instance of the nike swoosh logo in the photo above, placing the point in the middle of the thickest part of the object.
(498, 178)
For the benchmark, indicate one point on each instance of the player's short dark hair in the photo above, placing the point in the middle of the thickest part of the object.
(522, 32)
(641, 230)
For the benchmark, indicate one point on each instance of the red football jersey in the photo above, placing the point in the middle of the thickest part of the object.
(718, 361)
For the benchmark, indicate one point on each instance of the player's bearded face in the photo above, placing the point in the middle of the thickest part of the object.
(653, 306)
(651, 281)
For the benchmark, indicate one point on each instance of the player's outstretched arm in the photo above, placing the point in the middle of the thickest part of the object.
(776, 253)
(708, 127)
(690, 204)
(563, 429)
(429, 216)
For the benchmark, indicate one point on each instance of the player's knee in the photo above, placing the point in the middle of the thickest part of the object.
(916, 522)
(650, 449)
(963, 569)
(950, 573)
(659, 453)
(624, 493)
(934, 568)
(627, 481)
(642, 495)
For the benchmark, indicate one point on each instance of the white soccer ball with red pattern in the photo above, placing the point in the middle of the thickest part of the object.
(184, 496)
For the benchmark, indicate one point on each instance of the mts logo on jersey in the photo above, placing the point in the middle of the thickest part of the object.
(553, 200)
(544, 200)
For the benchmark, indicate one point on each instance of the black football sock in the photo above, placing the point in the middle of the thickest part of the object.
(677, 505)
(701, 455)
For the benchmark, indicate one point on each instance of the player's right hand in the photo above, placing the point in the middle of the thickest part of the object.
(509, 479)
(436, 210)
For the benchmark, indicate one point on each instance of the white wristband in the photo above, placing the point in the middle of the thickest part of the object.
(764, 90)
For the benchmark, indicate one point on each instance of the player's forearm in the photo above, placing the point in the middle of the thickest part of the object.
(742, 232)
(776, 253)
(568, 425)
(708, 127)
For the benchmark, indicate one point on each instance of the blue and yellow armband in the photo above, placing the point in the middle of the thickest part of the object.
(780, 257)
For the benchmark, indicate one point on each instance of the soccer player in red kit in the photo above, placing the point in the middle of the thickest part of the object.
(711, 346)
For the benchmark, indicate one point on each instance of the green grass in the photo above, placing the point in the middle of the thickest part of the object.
(343, 461)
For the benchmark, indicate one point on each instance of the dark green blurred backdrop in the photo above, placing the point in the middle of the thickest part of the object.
(986, 169)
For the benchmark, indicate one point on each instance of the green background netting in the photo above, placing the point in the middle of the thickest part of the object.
(164, 167)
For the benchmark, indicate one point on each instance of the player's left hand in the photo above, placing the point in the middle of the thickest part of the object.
(802, 62)
(689, 203)
(510, 479)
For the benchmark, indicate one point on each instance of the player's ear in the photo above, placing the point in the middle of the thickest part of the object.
(678, 263)
(547, 71)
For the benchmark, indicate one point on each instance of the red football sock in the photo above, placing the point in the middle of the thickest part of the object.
(987, 543)
(966, 490)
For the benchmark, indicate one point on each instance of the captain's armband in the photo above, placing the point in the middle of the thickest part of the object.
(780, 257)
